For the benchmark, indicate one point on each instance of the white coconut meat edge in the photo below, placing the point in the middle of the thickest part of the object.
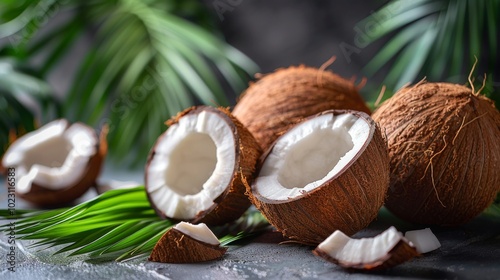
(361, 251)
(193, 164)
(54, 156)
(200, 232)
(310, 154)
(423, 239)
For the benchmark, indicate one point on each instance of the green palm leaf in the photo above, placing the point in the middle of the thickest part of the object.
(437, 39)
(145, 62)
(117, 225)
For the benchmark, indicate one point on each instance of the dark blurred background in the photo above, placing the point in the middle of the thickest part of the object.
(281, 33)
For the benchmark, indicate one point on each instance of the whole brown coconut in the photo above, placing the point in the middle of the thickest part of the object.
(277, 100)
(444, 152)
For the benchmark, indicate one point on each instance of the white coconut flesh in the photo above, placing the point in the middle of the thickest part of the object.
(423, 239)
(310, 154)
(193, 164)
(364, 250)
(199, 232)
(54, 156)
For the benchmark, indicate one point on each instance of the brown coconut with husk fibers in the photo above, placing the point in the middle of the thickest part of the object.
(195, 170)
(444, 152)
(329, 172)
(278, 100)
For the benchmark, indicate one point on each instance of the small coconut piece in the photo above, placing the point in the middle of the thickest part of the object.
(444, 153)
(194, 172)
(278, 100)
(383, 251)
(56, 163)
(329, 172)
(187, 243)
(423, 239)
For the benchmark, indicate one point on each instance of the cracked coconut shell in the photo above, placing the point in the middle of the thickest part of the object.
(278, 100)
(444, 148)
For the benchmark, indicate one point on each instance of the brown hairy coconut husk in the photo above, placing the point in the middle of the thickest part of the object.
(329, 172)
(444, 151)
(278, 100)
(194, 171)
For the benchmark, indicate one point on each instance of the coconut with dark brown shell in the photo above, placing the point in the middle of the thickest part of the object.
(280, 99)
(444, 148)
(329, 172)
(194, 171)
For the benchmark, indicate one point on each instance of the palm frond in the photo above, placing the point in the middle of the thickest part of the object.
(437, 39)
(147, 60)
(147, 65)
(117, 225)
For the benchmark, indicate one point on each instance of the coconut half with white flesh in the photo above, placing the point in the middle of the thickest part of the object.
(56, 163)
(187, 243)
(383, 251)
(329, 172)
(196, 168)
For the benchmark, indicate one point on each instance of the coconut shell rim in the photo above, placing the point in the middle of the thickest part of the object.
(373, 126)
(174, 120)
(94, 162)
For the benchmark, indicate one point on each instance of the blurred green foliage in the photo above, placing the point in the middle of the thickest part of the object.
(147, 60)
(434, 39)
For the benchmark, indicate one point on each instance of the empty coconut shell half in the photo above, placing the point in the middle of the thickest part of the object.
(329, 172)
(383, 251)
(57, 163)
(444, 151)
(194, 171)
(187, 243)
(278, 100)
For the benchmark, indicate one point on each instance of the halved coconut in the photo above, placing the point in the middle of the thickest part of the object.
(195, 170)
(329, 172)
(187, 243)
(383, 251)
(57, 163)
(278, 100)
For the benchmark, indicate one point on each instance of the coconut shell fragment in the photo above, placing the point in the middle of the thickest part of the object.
(177, 247)
(383, 251)
(444, 153)
(329, 172)
(280, 99)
